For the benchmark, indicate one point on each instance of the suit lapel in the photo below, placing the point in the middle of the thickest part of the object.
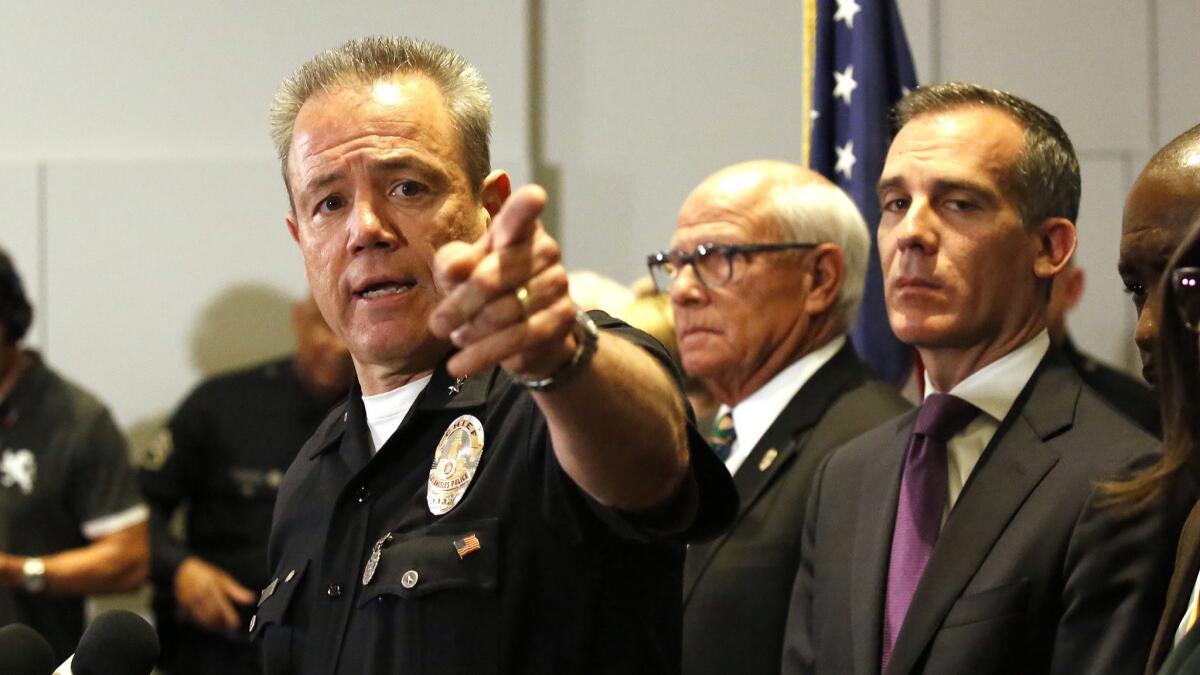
(1011, 467)
(878, 493)
(1187, 566)
(777, 449)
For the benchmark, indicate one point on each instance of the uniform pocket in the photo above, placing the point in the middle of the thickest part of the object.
(1011, 598)
(457, 556)
(269, 622)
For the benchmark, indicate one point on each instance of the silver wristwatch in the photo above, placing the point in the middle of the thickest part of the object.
(33, 575)
(586, 334)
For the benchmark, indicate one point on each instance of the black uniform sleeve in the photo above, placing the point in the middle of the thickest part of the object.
(703, 506)
(168, 473)
(103, 495)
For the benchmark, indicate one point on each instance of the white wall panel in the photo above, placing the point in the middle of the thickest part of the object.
(19, 234)
(162, 272)
(1178, 51)
(1103, 322)
(645, 99)
(1085, 61)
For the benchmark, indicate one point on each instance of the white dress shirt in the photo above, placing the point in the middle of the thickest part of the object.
(993, 389)
(1189, 615)
(386, 411)
(754, 415)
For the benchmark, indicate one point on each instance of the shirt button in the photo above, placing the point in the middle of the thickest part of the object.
(409, 579)
(362, 495)
(334, 591)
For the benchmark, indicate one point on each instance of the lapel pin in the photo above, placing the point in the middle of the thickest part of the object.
(768, 459)
(457, 386)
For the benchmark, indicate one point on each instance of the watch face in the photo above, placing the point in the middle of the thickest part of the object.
(34, 575)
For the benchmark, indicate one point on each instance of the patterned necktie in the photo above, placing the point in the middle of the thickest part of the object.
(923, 494)
(723, 435)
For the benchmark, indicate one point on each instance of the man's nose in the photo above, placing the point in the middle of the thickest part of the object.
(686, 288)
(1146, 332)
(370, 226)
(918, 229)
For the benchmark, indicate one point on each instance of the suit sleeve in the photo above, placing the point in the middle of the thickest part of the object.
(799, 654)
(1116, 573)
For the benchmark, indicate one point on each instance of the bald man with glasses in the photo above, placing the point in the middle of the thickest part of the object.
(765, 274)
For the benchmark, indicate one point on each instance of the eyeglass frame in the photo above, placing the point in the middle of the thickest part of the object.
(1178, 290)
(659, 258)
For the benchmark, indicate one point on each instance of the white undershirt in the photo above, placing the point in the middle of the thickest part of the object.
(757, 412)
(386, 411)
(993, 389)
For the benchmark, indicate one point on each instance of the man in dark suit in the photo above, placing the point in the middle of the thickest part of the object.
(970, 536)
(778, 256)
(1129, 396)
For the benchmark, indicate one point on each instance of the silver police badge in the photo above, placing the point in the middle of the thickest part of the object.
(454, 464)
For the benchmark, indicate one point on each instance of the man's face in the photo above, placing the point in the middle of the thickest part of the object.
(726, 334)
(957, 261)
(378, 186)
(1157, 213)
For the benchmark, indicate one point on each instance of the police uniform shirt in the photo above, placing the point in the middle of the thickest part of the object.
(65, 481)
(223, 455)
(526, 574)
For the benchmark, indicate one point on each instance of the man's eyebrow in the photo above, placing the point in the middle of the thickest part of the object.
(888, 183)
(322, 181)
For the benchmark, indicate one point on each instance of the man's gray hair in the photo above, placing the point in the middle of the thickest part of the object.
(820, 212)
(369, 59)
(1044, 179)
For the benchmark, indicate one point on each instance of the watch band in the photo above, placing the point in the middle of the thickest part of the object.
(586, 335)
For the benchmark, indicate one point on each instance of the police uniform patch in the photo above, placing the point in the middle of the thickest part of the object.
(454, 464)
(153, 455)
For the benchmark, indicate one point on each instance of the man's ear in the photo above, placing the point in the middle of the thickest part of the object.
(496, 189)
(292, 227)
(829, 270)
(1056, 245)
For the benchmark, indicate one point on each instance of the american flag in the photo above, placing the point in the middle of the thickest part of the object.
(467, 545)
(859, 65)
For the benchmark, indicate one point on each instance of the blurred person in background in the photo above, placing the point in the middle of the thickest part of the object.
(1126, 394)
(71, 520)
(221, 460)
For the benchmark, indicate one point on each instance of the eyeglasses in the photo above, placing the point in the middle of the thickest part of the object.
(1185, 285)
(712, 263)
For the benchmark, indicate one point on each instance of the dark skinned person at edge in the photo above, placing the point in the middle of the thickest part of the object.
(220, 462)
(1163, 203)
(510, 484)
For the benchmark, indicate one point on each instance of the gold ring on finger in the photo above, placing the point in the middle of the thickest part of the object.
(522, 295)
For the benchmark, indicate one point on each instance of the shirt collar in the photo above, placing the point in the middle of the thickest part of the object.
(995, 387)
(757, 412)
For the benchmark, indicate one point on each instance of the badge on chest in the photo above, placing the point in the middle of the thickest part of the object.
(454, 464)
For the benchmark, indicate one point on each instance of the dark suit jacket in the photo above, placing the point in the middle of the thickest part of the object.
(1129, 396)
(1029, 574)
(736, 587)
(1187, 566)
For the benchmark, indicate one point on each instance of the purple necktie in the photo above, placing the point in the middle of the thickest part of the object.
(923, 491)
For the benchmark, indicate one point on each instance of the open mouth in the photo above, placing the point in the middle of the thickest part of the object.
(384, 288)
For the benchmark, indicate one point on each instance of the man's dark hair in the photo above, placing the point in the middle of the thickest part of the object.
(15, 311)
(1045, 177)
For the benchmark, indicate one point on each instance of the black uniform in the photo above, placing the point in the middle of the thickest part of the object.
(65, 481)
(527, 574)
(1128, 395)
(223, 456)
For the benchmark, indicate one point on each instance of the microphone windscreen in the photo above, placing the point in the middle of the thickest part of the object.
(23, 651)
(118, 642)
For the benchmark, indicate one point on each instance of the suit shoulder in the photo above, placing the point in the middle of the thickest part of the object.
(1103, 437)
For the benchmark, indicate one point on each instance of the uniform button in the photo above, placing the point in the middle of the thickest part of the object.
(409, 579)
(334, 591)
(363, 494)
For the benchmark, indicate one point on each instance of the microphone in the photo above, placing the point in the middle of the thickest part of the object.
(118, 642)
(24, 651)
